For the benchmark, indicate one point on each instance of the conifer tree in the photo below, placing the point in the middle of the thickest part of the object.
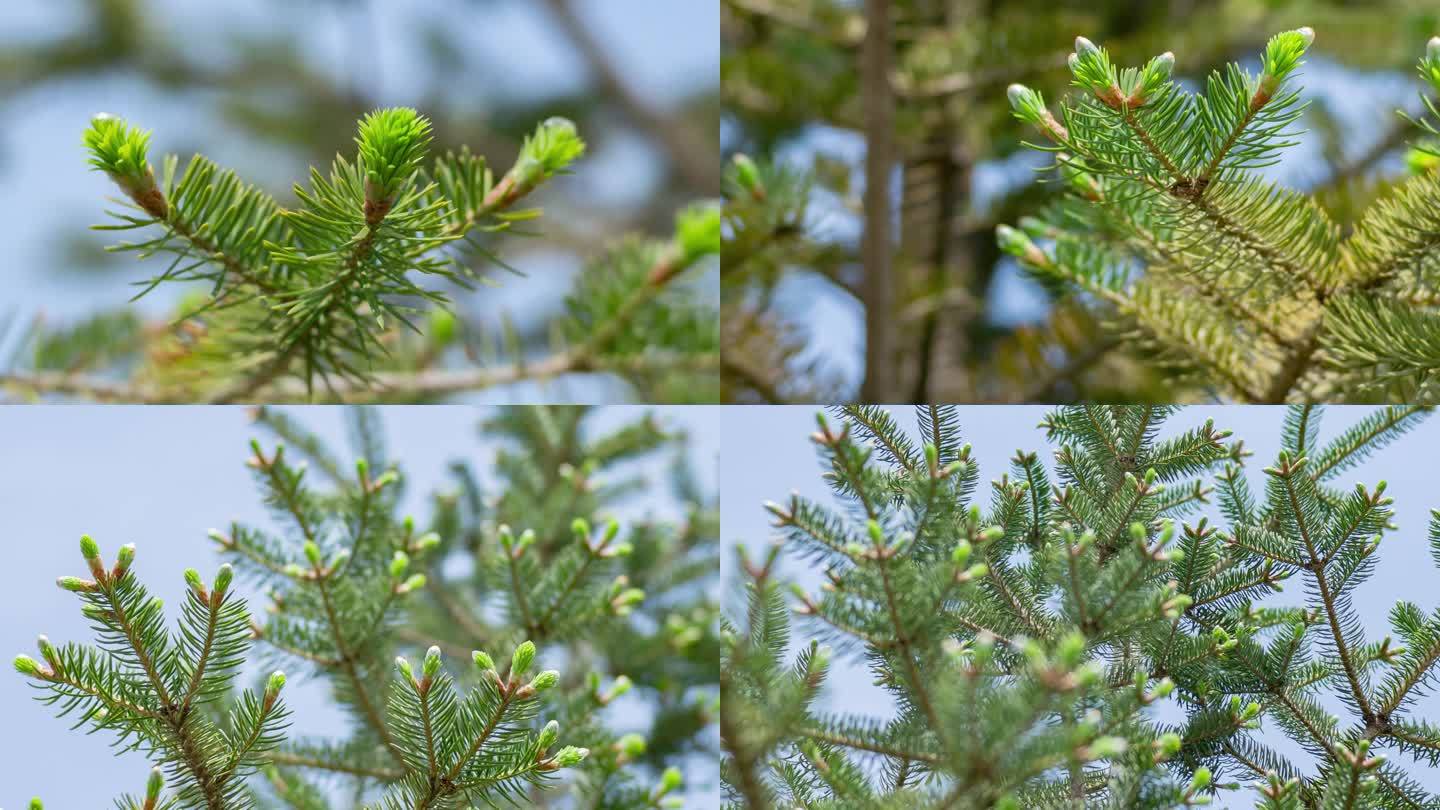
(340, 298)
(966, 328)
(1174, 237)
(1029, 635)
(376, 603)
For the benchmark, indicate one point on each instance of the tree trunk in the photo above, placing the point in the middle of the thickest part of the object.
(879, 292)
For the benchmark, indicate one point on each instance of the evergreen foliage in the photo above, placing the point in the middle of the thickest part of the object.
(352, 582)
(343, 297)
(962, 326)
(1031, 635)
(1172, 234)
(167, 695)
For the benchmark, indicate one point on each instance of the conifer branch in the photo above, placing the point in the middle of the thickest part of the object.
(1060, 717)
(341, 581)
(1286, 309)
(330, 299)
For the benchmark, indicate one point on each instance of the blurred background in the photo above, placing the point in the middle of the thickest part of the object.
(768, 454)
(966, 325)
(162, 477)
(271, 87)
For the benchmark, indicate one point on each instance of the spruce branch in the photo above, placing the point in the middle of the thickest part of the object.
(1134, 608)
(1168, 179)
(344, 571)
(340, 297)
(352, 580)
(135, 682)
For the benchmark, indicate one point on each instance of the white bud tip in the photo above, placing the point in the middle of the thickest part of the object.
(1016, 93)
(1432, 48)
(1083, 45)
(1307, 33)
(1072, 60)
(1167, 59)
(101, 116)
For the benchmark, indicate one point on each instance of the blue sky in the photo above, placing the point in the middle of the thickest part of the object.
(160, 477)
(768, 454)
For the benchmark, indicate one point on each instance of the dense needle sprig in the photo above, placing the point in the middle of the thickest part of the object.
(1028, 636)
(1170, 231)
(345, 296)
(358, 592)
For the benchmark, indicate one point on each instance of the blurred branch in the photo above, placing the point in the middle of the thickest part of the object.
(1393, 139)
(1045, 386)
(691, 154)
(753, 380)
(878, 102)
(380, 387)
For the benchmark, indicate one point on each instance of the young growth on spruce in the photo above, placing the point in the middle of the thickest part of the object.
(344, 296)
(1030, 636)
(1171, 232)
(372, 601)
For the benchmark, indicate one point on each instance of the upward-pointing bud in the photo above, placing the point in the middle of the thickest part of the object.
(548, 735)
(392, 143)
(621, 685)
(1165, 64)
(124, 557)
(398, 564)
(1201, 780)
(521, 660)
(1084, 46)
(1307, 34)
(1430, 65)
(555, 145)
(483, 661)
(631, 745)
(153, 785)
(223, 578)
(47, 651)
(747, 175)
(431, 666)
(273, 685)
(192, 578)
(88, 547)
(312, 552)
(877, 534)
(1017, 93)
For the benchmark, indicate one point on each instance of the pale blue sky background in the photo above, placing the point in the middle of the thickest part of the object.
(160, 477)
(768, 453)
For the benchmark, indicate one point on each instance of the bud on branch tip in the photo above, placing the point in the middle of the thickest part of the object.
(521, 660)
(392, 144)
